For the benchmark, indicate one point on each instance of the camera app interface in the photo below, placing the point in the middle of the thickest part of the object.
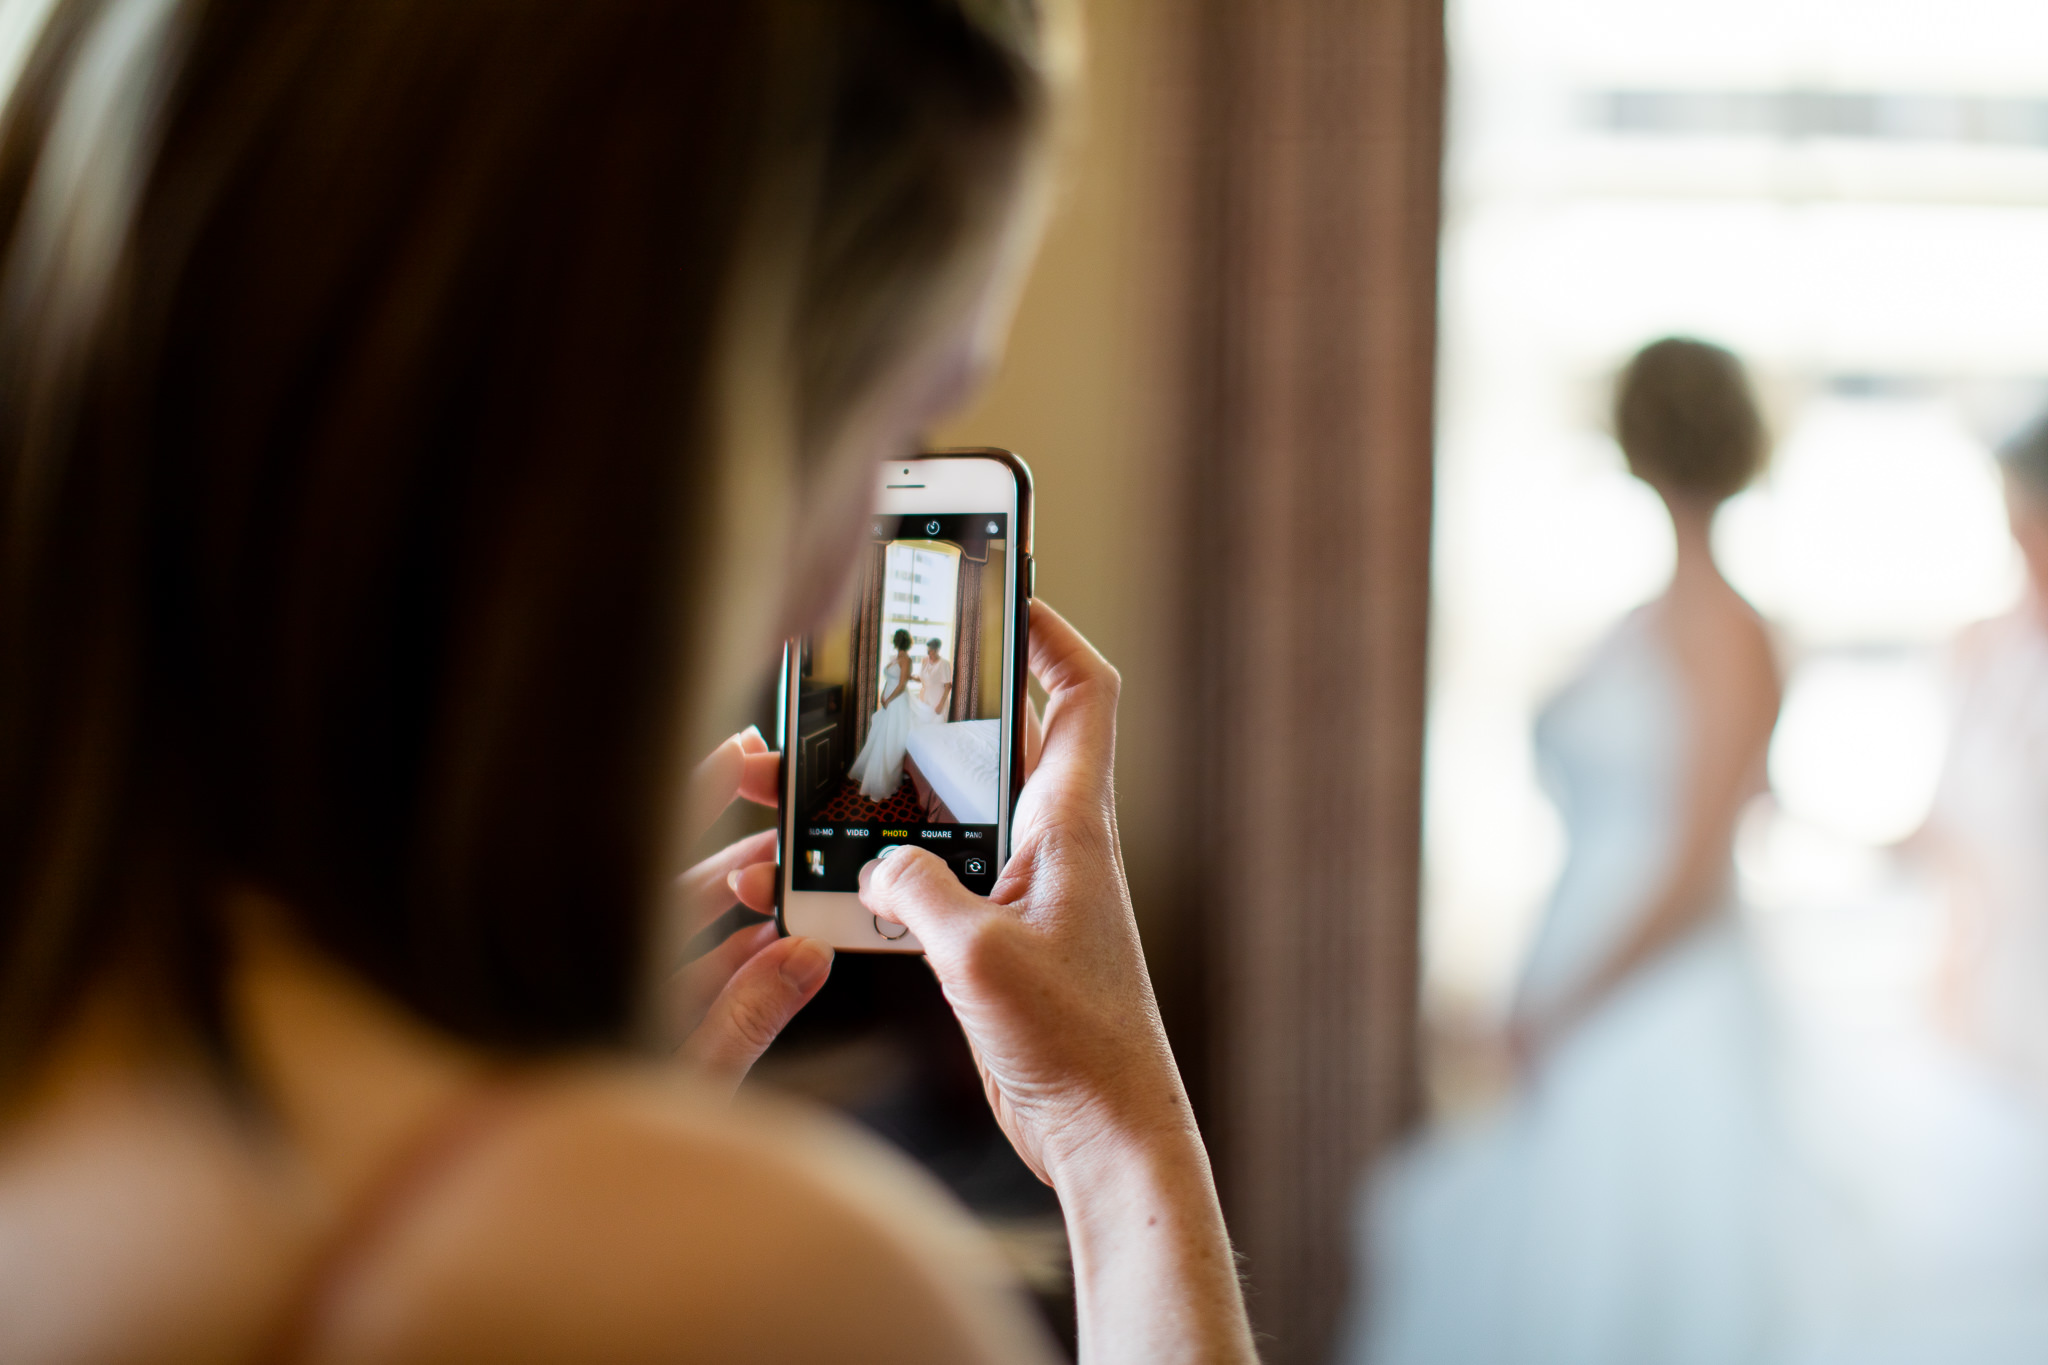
(899, 708)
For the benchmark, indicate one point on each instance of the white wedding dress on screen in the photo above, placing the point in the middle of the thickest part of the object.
(1616, 1212)
(878, 767)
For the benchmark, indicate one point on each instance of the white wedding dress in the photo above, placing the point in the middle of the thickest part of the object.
(1617, 1211)
(878, 767)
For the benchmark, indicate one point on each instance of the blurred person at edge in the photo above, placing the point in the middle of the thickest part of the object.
(1988, 828)
(1614, 1213)
(419, 422)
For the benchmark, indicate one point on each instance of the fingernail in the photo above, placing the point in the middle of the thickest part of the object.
(753, 730)
(805, 965)
(732, 881)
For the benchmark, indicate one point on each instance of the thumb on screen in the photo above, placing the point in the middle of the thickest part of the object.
(916, 889)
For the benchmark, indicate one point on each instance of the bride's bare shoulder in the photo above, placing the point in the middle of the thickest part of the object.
(623, 1216)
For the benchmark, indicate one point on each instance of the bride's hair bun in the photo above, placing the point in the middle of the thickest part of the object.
(1687, 420)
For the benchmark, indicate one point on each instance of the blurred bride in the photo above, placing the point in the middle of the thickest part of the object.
(878, 767)
(1615, 1212)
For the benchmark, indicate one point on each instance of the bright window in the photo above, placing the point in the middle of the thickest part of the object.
(921, 598)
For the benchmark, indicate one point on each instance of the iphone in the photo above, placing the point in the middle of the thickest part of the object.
(903, 720)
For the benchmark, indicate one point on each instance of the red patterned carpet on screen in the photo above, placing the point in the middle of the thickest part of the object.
(849, 807)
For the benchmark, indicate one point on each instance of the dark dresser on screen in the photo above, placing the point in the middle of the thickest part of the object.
(821, 740)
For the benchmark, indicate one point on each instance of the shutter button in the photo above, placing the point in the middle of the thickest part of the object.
(882, 927)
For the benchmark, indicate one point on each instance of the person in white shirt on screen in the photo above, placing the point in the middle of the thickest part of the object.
(934, 683)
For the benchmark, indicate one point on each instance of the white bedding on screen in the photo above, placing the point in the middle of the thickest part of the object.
(961, 762)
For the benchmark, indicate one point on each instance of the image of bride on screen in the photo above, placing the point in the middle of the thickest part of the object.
(911, 684)
(878, 767)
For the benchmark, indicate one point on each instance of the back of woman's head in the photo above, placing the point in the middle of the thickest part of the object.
(901, 640)
(1688, 421)
(368, 423)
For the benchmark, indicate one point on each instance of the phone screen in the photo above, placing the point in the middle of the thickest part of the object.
(899, 724)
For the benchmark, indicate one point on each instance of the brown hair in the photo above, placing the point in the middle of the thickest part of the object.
(363, 367)
(1687, 420)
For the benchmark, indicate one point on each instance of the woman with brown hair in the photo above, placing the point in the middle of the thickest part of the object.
(419, 420)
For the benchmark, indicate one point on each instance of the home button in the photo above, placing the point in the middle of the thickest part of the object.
(892, 932)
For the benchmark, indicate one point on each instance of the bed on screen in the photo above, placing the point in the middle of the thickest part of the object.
(956, 770)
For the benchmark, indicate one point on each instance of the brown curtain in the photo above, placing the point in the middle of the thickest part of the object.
(965, 703)
(863, 670)
(1309, 288)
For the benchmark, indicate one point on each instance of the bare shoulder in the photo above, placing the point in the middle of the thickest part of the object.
(130, 1229)
(626, 1218)
(1726, 646)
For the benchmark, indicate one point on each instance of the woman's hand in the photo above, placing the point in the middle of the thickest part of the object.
(1047, 975)
(1049, 983)
(729, 1003)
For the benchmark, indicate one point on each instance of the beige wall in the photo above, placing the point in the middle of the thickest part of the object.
(1078, 396)
(829, 649)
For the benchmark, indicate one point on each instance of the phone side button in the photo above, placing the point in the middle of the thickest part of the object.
(883, 929)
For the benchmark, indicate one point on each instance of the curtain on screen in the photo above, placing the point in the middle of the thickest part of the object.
(863, 679)
(966, 700)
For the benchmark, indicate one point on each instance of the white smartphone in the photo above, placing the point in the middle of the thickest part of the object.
(903, 723)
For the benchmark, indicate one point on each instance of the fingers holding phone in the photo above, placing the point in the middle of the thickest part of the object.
(742, 767)
(726, 1001)
(766, 981)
